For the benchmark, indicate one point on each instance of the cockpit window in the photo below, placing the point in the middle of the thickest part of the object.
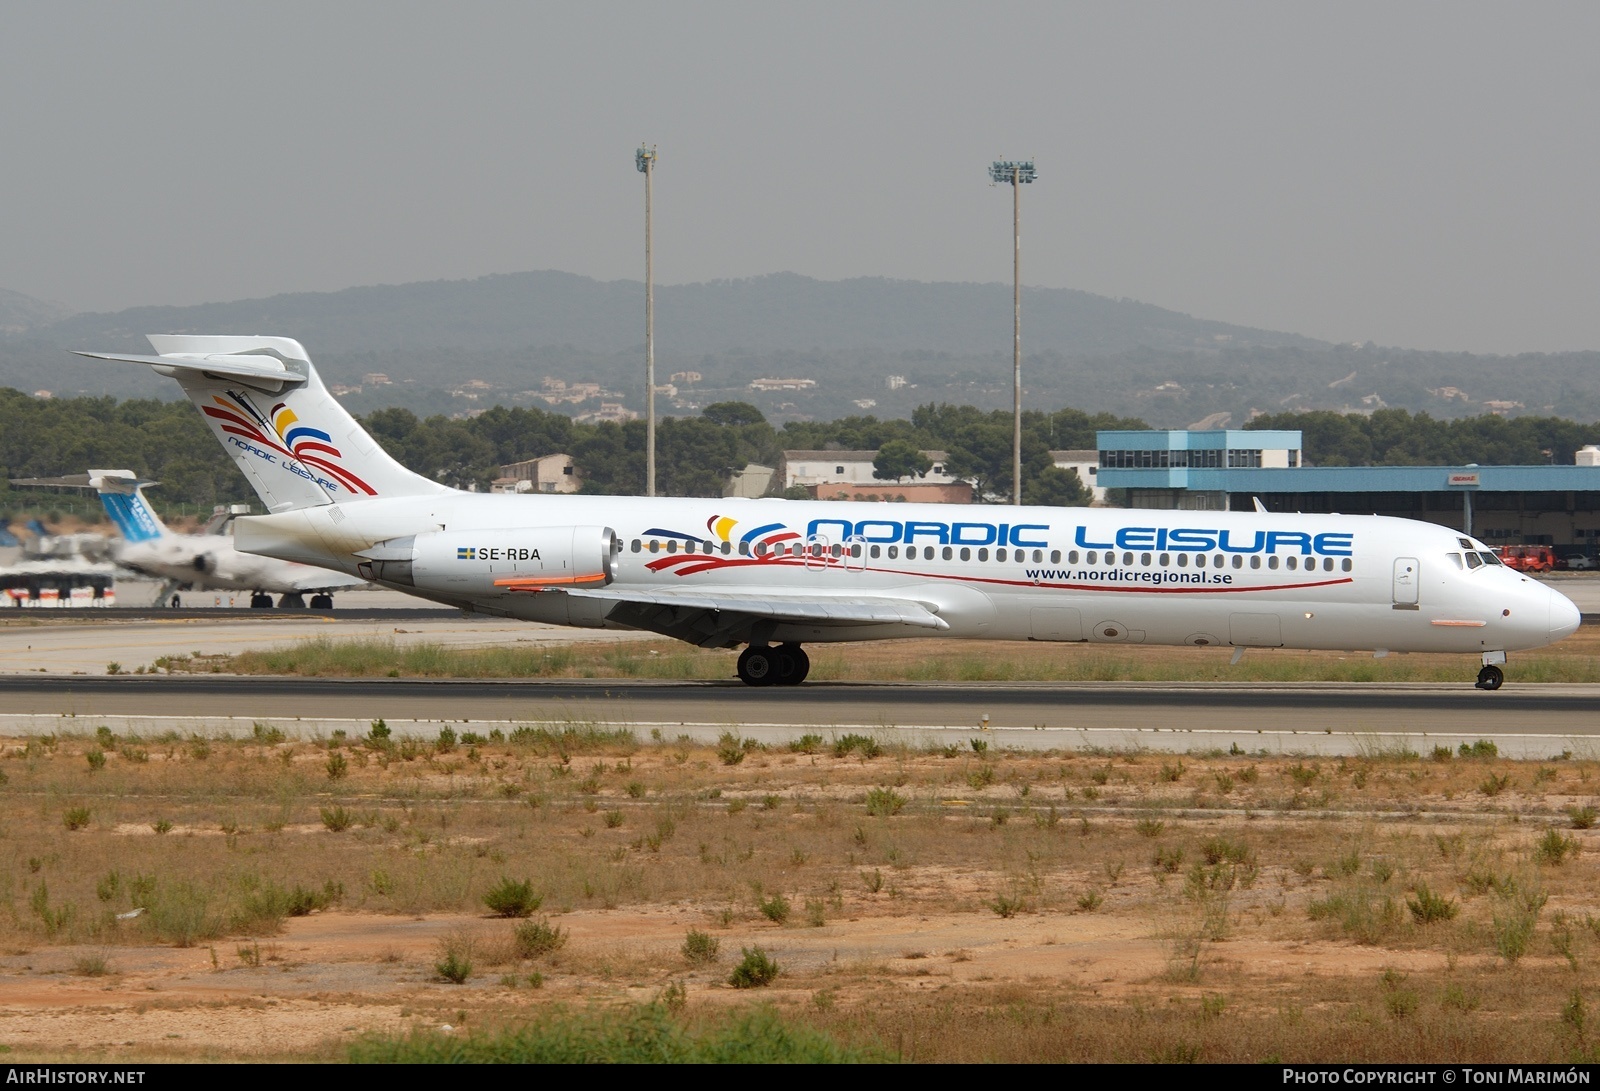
(1489, 557)
(1466, 543)
(1456, 557)
(1474, 561)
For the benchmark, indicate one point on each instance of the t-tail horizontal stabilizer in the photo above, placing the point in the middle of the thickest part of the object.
(267, 406)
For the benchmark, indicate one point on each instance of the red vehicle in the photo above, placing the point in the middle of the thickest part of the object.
(1528, 558)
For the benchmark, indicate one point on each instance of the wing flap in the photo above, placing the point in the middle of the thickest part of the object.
(843, 610)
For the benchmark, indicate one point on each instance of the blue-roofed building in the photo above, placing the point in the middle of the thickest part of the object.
(1229, 469)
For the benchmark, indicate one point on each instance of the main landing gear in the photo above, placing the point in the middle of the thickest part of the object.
(764, 665)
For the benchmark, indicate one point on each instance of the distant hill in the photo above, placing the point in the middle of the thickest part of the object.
(783, 311)
(19, 313)
(870, 345)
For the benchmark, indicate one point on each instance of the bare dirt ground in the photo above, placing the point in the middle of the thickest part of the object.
(184, 898)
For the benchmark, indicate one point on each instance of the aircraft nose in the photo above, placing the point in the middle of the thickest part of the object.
(1564, 616)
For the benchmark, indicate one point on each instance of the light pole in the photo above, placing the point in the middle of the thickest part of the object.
(1017, 174)
(645, 160)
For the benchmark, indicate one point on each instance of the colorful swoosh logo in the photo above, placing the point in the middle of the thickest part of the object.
(300, 442)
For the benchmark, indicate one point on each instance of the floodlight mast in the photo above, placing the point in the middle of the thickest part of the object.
(1018, 174)
(645, 160)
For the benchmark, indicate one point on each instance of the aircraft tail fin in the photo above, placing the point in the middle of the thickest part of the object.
(122, 495)
(268, 408)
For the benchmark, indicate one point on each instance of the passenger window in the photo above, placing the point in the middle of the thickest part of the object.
(999, 554)
(874, 552)
(1272, 561)
(894, 552)
(636, 545)
(1255, 562)
(655, 546)
(966, 554)
(1346, 565)
(1183, 560)
(838, 551)
(1238, 561)
(927, 553)
(1038, 556)
(1055, 556)
(1072, 558)
(672, 545)
(983, 554)
(1127, 559)
(1218, 561)
(688, 547)
(1166, 559)
(1293, 564)
(1473, 560)
(1456, 559)
(1327, 564)
(948, 553)
(1144, 559)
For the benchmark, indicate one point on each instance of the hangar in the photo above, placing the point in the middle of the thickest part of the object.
(1225, 470)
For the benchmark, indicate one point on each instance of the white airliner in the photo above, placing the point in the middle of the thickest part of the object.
(206, 561)
(777, 574)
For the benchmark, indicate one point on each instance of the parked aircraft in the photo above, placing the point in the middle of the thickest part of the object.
(207, 561)
(775, 575)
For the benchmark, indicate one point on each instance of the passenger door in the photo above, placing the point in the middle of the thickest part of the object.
(1406, 580)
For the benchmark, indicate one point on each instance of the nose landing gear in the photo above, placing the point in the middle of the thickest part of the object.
(763, 665)
(1492, 676)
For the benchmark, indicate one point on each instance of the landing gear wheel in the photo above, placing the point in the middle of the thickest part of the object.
(791, 665)
(291, 601)
(758, 666)
(1491, 677)
(322, 602)
(260, 602)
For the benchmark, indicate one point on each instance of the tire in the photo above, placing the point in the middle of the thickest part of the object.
(793, 665)
(758, 666)
(291, 601)
(322, 602)
(1491, 678)
(260, 602)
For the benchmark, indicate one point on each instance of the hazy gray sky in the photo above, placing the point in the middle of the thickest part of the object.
(1416, 174)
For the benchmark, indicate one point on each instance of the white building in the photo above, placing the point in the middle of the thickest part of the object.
(751, 482)
(552, 473)
(850, 468)
(1087, 463)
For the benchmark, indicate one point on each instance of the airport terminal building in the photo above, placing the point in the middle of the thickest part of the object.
(1225, 470)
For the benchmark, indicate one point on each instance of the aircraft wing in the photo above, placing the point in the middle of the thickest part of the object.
(707, 617)
(319, 579)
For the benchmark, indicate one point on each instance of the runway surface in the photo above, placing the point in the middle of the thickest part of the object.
(1531, 721)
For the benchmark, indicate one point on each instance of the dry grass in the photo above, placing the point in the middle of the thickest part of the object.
(1576, 659)
(1221, 886)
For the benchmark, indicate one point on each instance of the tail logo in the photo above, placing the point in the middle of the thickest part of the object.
(310, 447)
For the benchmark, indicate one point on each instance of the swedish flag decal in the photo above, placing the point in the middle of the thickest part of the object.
(466, 553)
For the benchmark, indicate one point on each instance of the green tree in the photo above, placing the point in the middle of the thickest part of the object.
(899, 459)
(1055, 486)
(733, 413)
